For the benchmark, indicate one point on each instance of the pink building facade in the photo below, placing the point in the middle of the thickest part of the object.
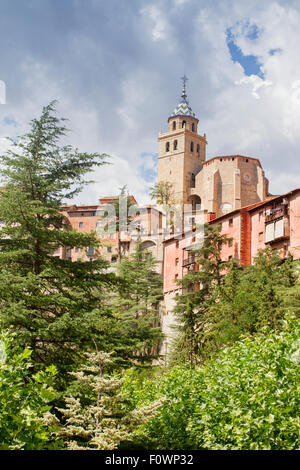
(274, 222)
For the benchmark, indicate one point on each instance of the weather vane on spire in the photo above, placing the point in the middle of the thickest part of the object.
(184, 80)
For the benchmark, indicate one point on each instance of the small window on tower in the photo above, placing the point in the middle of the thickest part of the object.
(175, 144)
(192, 146)
(193, 180)
(193, 127)
(167, 146)
(198, 148)
(174, 125)
(183, 123)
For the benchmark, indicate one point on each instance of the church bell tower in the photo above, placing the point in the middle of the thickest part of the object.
(182, 150)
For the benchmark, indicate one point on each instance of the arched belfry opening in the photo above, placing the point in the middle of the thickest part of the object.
(195, 200)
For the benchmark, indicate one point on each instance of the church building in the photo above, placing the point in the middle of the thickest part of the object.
(221, 183)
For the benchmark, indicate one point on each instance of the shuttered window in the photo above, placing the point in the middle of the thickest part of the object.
(279, 228)
(269, 232)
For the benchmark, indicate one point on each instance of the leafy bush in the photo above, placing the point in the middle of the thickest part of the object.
(248, 398)
(24, 400)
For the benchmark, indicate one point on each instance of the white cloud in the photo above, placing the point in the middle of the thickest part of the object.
(159, 26)
(256, 83)
(118, 88)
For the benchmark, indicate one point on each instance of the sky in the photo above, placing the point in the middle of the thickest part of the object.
(115, 66)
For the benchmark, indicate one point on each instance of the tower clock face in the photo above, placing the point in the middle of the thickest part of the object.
(247, 177)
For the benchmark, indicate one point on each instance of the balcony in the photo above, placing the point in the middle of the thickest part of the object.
(277, 229)
(276, 213)
(189, 260)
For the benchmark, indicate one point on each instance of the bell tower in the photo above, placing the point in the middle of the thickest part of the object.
(182, 151)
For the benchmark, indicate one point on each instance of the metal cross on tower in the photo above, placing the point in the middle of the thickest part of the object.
(184, 80)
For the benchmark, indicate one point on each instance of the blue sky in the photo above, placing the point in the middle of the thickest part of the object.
(115, 68)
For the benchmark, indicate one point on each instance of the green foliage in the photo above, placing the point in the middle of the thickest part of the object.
(163, 193)
(167, 429)
(251, 298)
(24, 400)
(247, 398)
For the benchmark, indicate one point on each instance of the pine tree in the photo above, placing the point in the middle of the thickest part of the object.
(137, 306)
(193, 304)
(99, 419)
(252, 298)
(53, 304)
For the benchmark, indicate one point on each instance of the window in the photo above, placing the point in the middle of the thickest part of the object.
(229, 258)
(113, 259)
(109, 249)
(175, 144)
(176, 277)
(230, 222)
(80, 224)
(177, 243)
(193, 127)
(174, 125)
(90, 250)
(167, 146)
(176, 261)
(76, 249)
(93, 214)
(198, 148)
(193, 180)
(183, 123)
(192, 146)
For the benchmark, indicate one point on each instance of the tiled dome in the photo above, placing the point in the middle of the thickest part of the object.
(183, 108)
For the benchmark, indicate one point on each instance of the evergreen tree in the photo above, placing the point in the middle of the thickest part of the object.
(252, 298)
(137, 306)
(53, 304)
(193, 304)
